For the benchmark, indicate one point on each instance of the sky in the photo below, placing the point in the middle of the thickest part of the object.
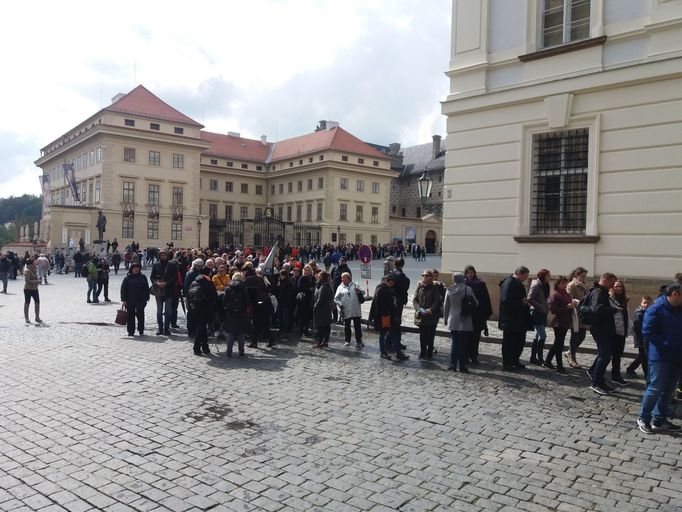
(258, 67)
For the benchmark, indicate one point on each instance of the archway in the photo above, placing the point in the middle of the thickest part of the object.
(430, 241)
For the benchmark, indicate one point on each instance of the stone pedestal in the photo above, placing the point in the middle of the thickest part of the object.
(99, 248)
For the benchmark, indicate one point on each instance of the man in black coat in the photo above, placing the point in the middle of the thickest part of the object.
(603, 329)
(235, 303)
(402, 285)
(204, 311)
(514, 318)
(134, 297)
(165, 275)
(262, 308)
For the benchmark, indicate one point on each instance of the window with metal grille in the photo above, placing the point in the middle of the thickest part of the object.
(565, 21)
(559, 181)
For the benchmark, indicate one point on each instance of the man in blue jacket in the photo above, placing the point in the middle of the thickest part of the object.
(662, 331)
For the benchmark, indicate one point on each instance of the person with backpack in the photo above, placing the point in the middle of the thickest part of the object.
(116, 261)
(235, 303)
(134, 298)
(595, 309)
(202, 298)
(459, 315)
(383, 314)
(103, 279)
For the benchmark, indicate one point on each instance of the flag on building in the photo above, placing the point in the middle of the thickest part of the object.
(70, 175)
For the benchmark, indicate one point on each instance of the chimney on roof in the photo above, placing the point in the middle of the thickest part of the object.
(264, 139)
(436, 146)
(117, 97)
(322, 125)
(394, 148)
(234, 134)
(332, 124)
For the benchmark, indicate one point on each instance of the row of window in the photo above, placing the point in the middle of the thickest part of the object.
(360, 185)
(155, 126)
(228, 163)
(129, 155)
(403, 211)
(359, 213)
(358, 238)
(153, 194)
(229, 187)
(128, 229)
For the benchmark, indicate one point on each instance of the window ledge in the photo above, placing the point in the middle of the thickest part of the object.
(557, 239)
(564, 48)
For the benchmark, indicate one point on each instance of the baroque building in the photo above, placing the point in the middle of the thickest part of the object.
(565, 138)
(159, 177)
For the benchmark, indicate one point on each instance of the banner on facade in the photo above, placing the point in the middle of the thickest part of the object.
(70, 176)
(267, 266)
(45, 188)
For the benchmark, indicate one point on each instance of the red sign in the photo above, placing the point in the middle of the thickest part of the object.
(365, 254)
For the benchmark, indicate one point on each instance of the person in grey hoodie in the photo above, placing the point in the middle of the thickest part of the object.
(461, 325)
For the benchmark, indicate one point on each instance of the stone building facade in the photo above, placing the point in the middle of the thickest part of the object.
(159, 178)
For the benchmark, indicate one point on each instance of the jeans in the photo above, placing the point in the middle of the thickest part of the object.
(164, 311)
(616, 355)
(92, 289)
(284, 314)
(605, 349)
(426, 335)
(512, 347)
(384, 340)
(3, 277)
(576, 339)
(77, 268)
(135, 312)
(100, 286)
(357, 326)
(461, 340)
(557, 349)
(240, 342)
(659, 391)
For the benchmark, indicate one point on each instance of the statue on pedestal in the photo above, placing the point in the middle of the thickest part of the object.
(101, 226)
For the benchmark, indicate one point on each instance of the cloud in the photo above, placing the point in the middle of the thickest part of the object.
(272, 66)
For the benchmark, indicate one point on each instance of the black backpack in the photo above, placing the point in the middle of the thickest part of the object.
(195, 296)
(234, 302)
(584, 309)
(468, 307)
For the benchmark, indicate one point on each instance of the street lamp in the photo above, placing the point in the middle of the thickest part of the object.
(338, 235)
(199, 233)
(424, 185)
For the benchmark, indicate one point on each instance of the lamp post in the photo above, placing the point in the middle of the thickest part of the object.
(199, 233)
(424, 185)
(338, 235)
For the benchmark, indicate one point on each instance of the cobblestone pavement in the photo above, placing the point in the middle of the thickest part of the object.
(93, 420)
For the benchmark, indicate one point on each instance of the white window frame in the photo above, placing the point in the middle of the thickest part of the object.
(592, 123)
(536, 16)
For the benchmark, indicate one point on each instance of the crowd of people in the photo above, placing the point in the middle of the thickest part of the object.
(240, 293)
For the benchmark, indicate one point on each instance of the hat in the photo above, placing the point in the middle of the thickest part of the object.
(458, 277)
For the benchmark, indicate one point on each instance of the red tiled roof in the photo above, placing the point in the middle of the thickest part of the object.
(239, 148)
(141, 102)
(335, 138)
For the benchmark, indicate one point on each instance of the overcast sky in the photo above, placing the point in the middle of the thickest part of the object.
(272, 67)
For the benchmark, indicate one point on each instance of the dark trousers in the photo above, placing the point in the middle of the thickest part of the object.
(576, 339)
(459, 352)
(164, 308)
(201, 333)
(174, 310)
(357, 327)
(640, 359)
(191, 323)
(77, 267)
(261, 321)
(605, 350)
(512, 347)
(116, 267)
(473, 344)
(103, 285)
(135, 312)
(557, 349)
(284, 317)
(617, 355)
(427, 333)
(323, 333)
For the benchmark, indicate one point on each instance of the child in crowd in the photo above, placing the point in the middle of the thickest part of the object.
(640, 343)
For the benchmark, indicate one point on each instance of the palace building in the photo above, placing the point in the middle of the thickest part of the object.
(159, 177)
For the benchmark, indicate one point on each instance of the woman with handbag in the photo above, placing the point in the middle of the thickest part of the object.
(134, 298)
(538, 298)
(349, 296)
(459, 311)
